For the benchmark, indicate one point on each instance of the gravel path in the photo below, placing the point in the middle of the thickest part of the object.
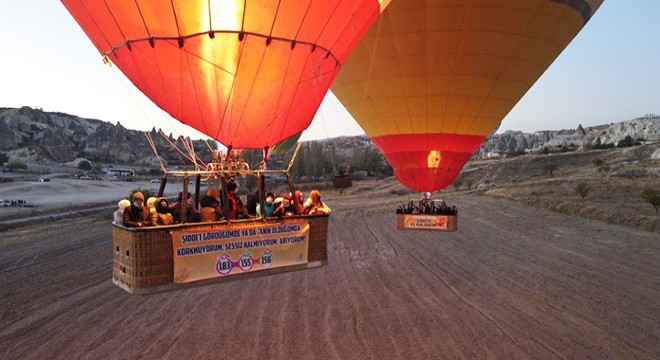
(513, 283)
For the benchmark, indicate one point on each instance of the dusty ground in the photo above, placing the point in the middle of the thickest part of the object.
(615, 178)
(514, 282)
(63, 192)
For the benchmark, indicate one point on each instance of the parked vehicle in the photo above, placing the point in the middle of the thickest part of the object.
(85, 177)
(5, 203)
(113, 178)
(44, 179)
(486, 184)
(155, 181)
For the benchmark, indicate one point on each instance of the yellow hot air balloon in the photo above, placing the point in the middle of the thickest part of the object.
(432, 78)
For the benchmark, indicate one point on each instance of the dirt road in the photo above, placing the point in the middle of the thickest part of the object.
(513, 283)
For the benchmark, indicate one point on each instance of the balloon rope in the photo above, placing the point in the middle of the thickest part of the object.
(206, 141)
(191, 150)
(373, 57)
(243, 20)
(302, 21)
(322, 32)
(199, 159)
(153, 147)
(272, 26)
(210, 18)
(293, 158)
(176, 22)
(174, 145)
(264, 160)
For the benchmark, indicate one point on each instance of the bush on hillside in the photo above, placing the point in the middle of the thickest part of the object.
(457, 183)
(582, 189)
(3, 158)
(652, 197)
(16, 165)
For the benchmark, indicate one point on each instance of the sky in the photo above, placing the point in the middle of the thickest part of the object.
(609, 73)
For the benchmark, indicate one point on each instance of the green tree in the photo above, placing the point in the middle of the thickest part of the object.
(371, 161)
(311, 162)
(16, 165)
(316, 164)
(627, 141)
(582, 189)
(85, 165)
(457, 183)
(551, 168)
(652, 197)
(3, 158)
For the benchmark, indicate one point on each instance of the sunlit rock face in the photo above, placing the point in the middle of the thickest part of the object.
(61, 138)
(646, 128)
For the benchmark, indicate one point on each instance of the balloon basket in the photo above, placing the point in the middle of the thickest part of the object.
(428, 222)
(342, 181)
(143, 260)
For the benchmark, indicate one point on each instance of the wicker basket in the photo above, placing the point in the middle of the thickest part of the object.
(318, 238)
(143, 257)
(342, 181)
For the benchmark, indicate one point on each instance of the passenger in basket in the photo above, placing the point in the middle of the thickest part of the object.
(269, 205)
(192, 215)
(211, 210)
(153, 215)
(277, 201)
(251, 203)
(232, 202)
(119, 214)
(286, 208)
(301, 200)
(136, 215)
(314, 206)
(241, 212)
(163, 212)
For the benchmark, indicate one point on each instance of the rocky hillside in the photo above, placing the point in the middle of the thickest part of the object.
(45, 138)
(643, 129)
(40, 137)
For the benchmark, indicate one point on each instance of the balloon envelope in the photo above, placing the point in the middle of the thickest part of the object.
(247, 73)
(433, 78)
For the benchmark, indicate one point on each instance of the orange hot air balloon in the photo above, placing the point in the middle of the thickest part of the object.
(247, 73)
(432, 78)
